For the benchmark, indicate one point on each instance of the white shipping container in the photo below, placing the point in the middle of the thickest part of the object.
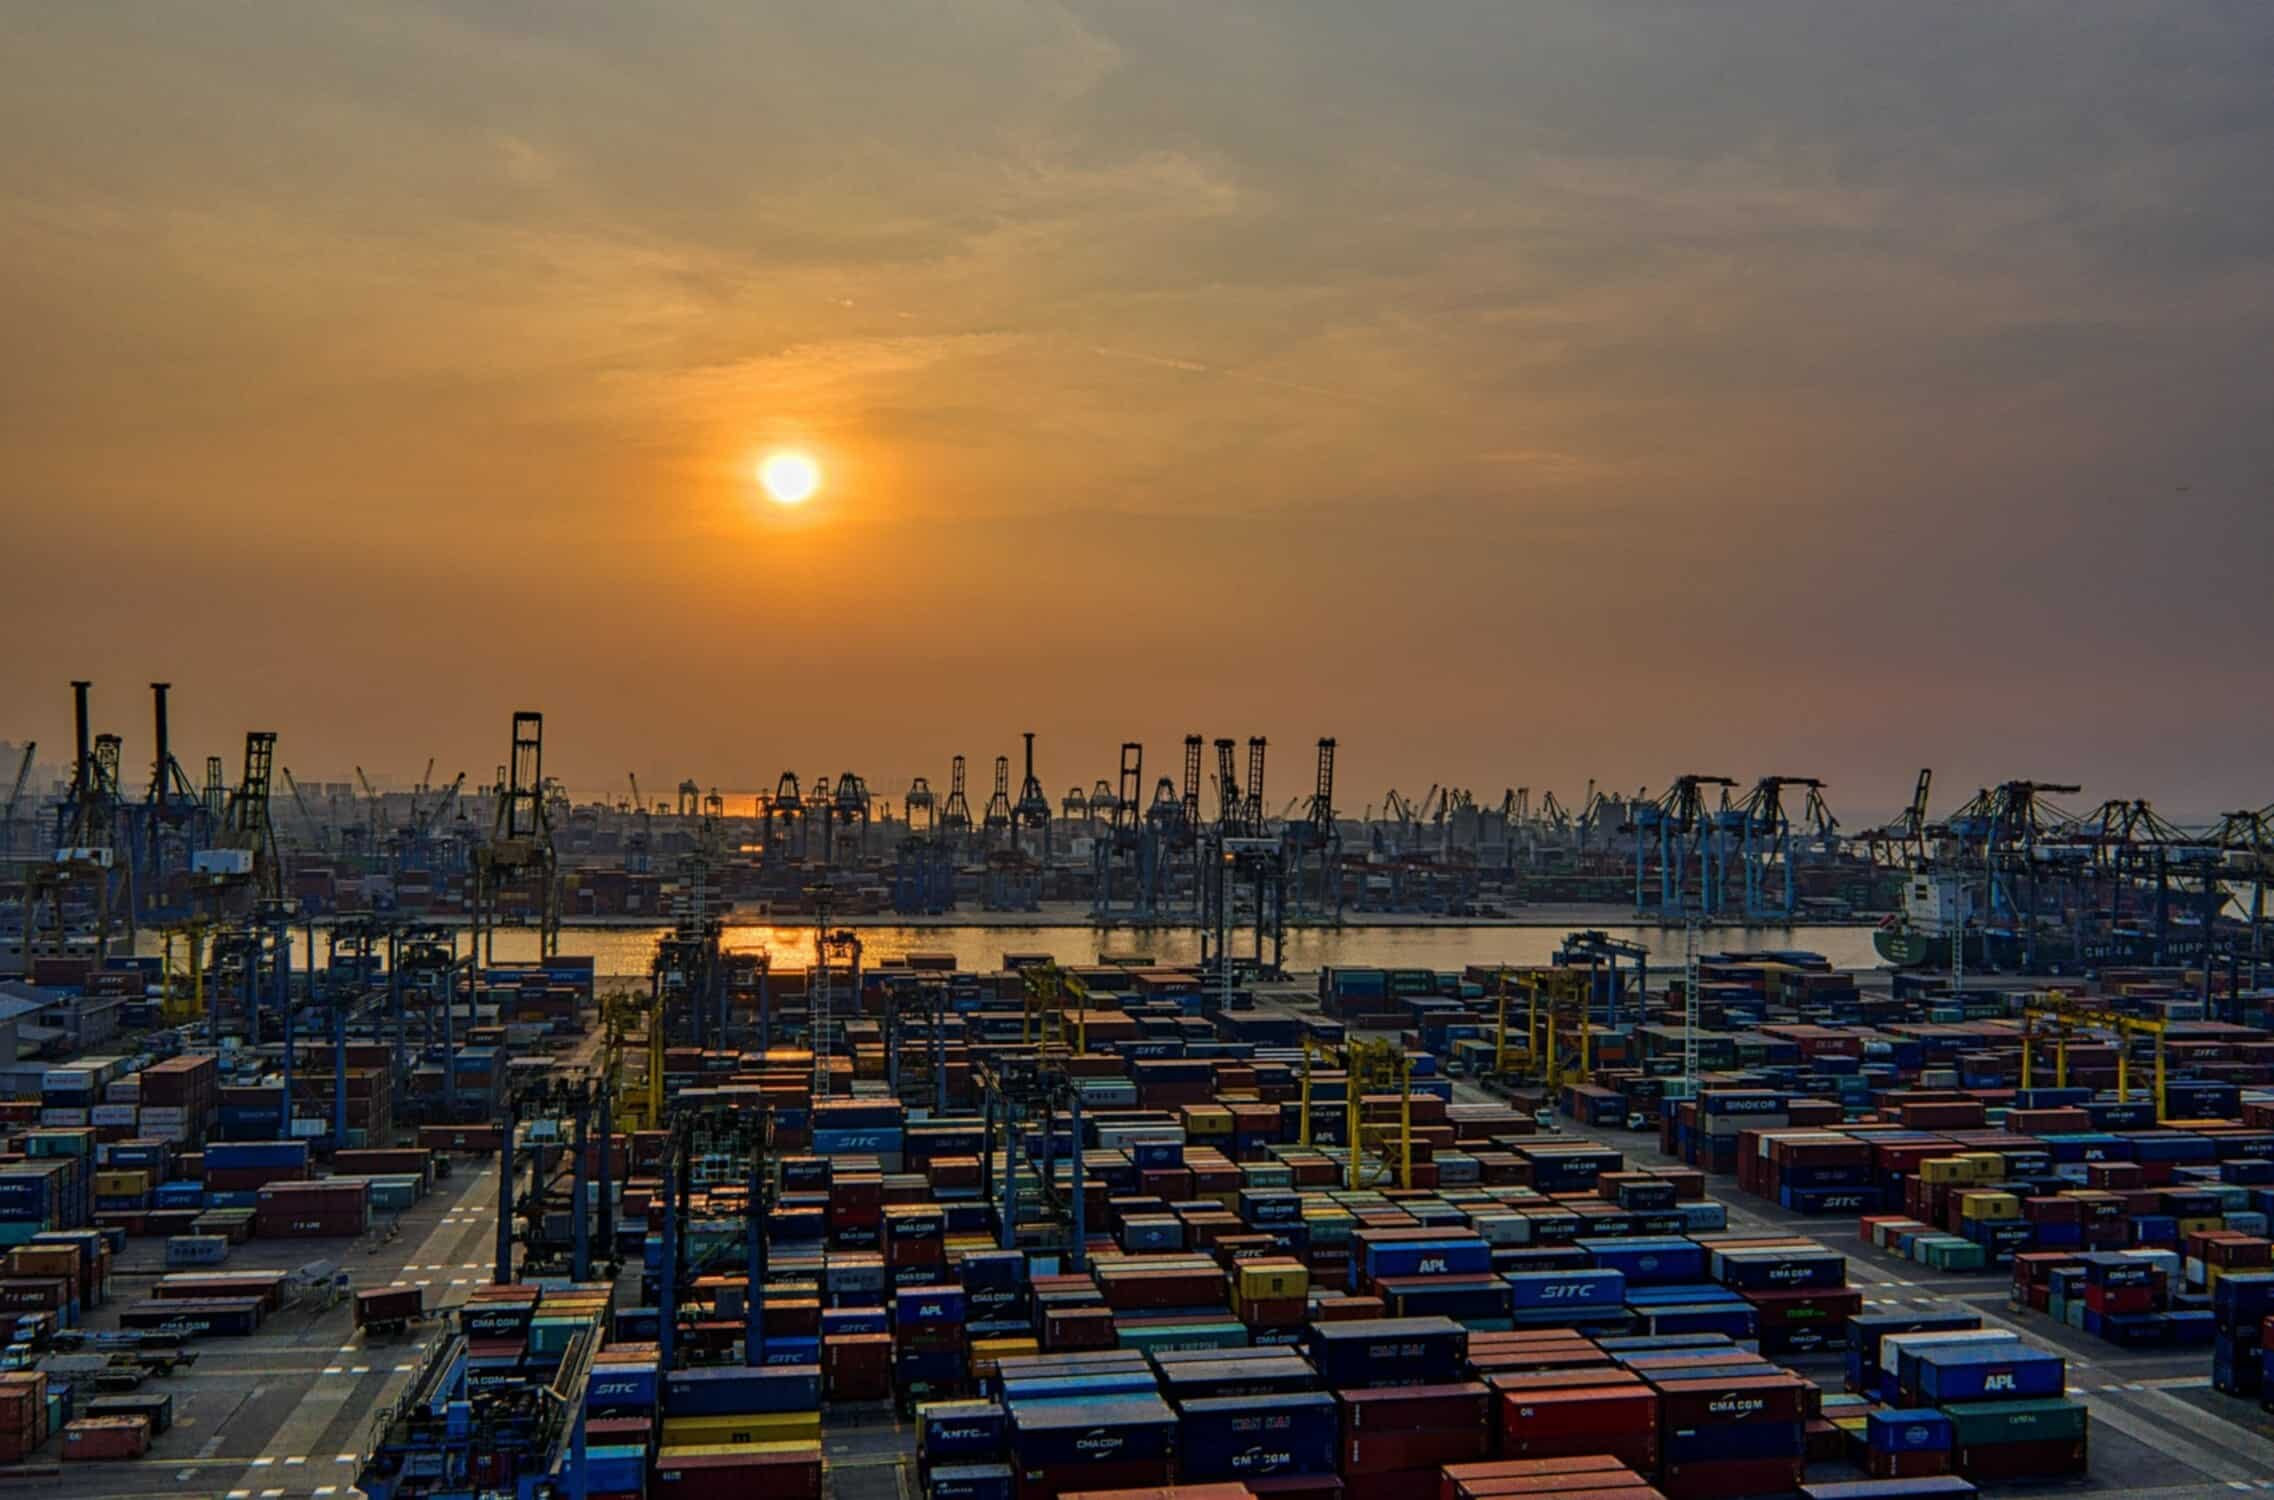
(54, 1118)
(68, 1081)
(168, 1114)
(111, 1114)
(124, 1091)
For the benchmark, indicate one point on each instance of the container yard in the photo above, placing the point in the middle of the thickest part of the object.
(342, 1202)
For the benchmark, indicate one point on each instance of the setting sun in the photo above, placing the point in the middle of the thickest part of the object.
(789, 478)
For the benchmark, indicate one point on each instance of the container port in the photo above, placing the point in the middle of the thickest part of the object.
(336, 1201)
(883, 751)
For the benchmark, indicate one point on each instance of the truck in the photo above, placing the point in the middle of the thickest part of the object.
(388, 1309)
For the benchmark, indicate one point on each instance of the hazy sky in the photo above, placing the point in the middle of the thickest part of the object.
(1519, 392)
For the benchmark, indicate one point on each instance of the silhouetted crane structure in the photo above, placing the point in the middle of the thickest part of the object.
(1032, 810)
(995, 822)
(1681, 827)
(846, 805)
(15, 799)
(1770, 852)
(923, 875)
(85, 850)
(1241, 852)
(1130, 845)
(788, 806)
(175, 822)
(955, 817)
(1316, 840)
(520, 847)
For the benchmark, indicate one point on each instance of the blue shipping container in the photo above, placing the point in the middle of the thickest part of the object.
(1590, 1290)
(1248, 1437)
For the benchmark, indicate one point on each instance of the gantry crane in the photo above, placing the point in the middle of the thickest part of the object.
(520, 846)
(2066, 1014)
(1366, 1064)
(1050, 992)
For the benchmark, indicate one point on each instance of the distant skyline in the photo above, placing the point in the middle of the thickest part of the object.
(1518, 392)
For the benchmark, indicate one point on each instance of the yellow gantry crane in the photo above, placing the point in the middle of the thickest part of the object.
(1366, 1064)
(2067, 1015)
(174, 1006)
(643, 1110)
(1052, 991)
(1556, 1007)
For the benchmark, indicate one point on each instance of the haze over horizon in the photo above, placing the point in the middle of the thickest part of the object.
(1518, 392)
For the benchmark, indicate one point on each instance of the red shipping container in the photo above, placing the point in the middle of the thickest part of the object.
(1560, 1380)
(1457, 1475)
(2048, 1459)
(1620, 1483)
(713, 1475)
(1172, 1492)
(1728, 1478)
(106, 1437)
(1886, 1465)
(1621, 1421)
(1050, 1482)
(857, 1366)
(1393, 1484)
(1415, 1408)
(1383, 1452)
(1297, 1487)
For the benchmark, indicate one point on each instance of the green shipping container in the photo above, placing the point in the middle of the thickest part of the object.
(1949, 1253)
(1988, 1424)
(1185, 1336)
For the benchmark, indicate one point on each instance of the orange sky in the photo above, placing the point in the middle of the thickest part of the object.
(1518, 392)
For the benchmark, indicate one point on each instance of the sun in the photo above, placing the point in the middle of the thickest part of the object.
(789, 478)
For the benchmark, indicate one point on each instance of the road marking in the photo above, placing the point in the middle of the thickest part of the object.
(239, 1495)
(295, 1460)
(404, 1369)
(461, 1281)
(270, 1494)
(332, 1369)
(360, 1370)
(327, 1489)
(262, 1463)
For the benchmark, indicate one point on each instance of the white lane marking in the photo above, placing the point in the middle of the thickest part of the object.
(263, 1462)
(295, 1460)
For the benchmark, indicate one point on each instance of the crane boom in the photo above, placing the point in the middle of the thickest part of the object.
(316, 830)
(16, 796)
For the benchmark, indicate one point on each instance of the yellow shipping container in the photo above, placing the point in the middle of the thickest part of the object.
(1207, 1119)
(741, 1431)
(121, 1184)
(1988, 1166)
(675, 1452)
(1270, 1282)
(2208, 1224)
(985, 1352)
(1946, 1169)
(1989, 1205)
